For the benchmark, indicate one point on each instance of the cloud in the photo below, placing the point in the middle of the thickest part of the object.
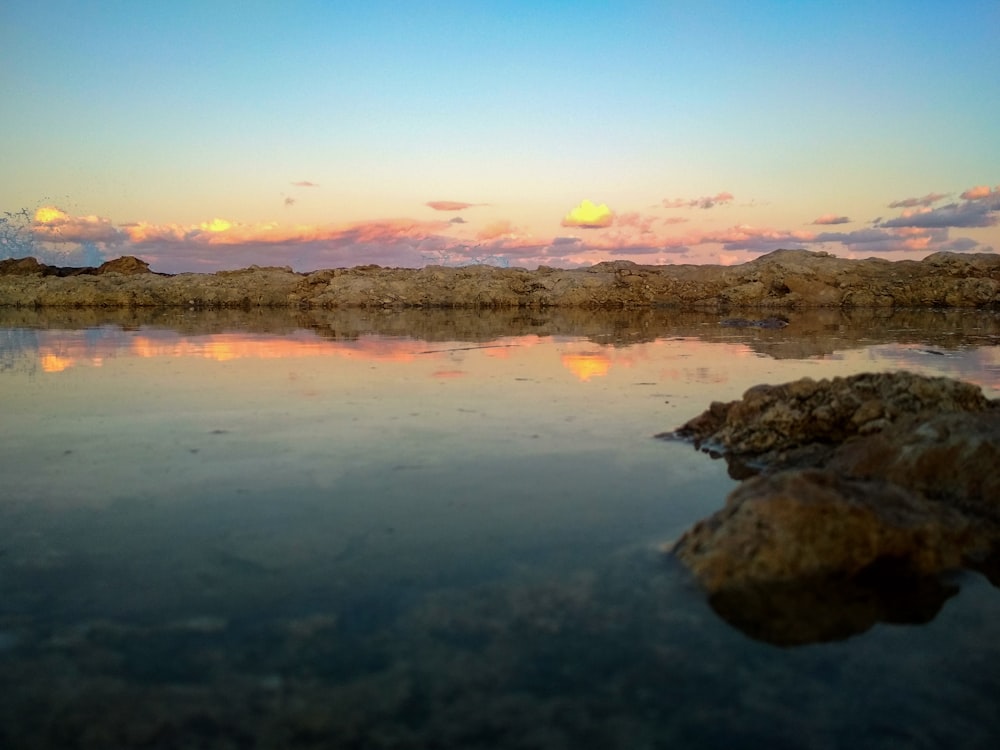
(710, 201)
(927, 200)
(589, 216)
(654, 237)
(977, 212)
(979, 192)
(144, 233)
(756, 239)
(718, 199)
(637, 221)
(832, 219)
(216, 225)
(289, 201)
(220, 243)
(961, 245)
(497, 229)
(450, 205)
(901, 240)
(305, 184)
(847, 238)
(52, 224)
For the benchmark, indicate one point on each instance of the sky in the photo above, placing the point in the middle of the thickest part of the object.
(213, 135)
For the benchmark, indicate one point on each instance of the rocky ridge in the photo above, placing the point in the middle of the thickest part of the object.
(781, 279)
(860, 493)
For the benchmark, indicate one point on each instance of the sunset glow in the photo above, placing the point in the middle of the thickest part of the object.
(521, 135)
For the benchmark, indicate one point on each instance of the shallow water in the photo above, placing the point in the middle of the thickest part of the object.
(436, 529)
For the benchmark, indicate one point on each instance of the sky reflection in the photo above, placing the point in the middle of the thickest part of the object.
(684, 359)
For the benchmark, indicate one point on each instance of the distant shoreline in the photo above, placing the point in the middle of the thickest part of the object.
(783, 279)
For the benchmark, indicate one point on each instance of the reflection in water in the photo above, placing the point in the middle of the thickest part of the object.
(965, 342)
(441, 529)
(587, 365)
(791, 614)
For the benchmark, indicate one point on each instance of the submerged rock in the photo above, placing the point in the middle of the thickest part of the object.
(860, 489)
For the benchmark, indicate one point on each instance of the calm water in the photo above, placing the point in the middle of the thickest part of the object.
(428, 530)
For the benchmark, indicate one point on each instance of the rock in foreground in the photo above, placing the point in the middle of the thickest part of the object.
(863, 491)
(803, 422)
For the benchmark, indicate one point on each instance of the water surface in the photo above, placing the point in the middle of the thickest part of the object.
(436, 529)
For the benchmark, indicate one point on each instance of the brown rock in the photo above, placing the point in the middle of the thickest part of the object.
(815, 524)
(799, 423)
(806, 555)
(783, 279)
(902, 487)
(21, 267)
(126, 264)
(950, 457)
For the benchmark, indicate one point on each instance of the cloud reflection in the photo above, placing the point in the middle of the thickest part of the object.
(587, 365)
(712, 363)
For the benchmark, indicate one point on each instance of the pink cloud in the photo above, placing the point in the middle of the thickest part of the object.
(305, 184)
(977, 192)
(52, 224)
(637, 221)
(450, 205)
(832, 219)
(497, 229)
(983, 210)
(220, 243)
(905, 240)
(141, 233)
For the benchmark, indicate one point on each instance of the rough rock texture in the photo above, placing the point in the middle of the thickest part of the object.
(782, 279)
(869, 487)
(814, 523)
(950, 457)
(803, 422)
(125, 282)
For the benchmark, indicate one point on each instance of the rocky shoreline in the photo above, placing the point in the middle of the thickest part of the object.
(783, 279)
(860, 496)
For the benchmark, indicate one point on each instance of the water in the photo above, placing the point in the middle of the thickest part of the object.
(427, 530)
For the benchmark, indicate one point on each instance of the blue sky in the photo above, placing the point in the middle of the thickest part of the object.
(217, 134)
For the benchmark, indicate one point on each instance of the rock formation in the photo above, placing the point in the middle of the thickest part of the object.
(860, 493)
(783, 279)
